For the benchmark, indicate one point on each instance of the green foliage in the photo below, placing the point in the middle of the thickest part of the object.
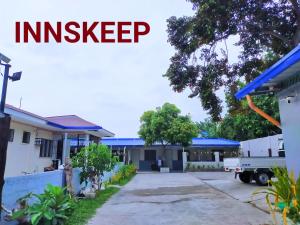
(209, 128)
(50, 208)
(125, 173)
(245, 124)
(285, 191)
(263, 31)
(166, 126)
(86, 208)
(94, 160)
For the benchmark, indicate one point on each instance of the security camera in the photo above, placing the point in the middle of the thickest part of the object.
(289, 99)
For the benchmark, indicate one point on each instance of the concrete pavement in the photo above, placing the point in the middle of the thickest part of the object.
(177, 199)
(225, 182)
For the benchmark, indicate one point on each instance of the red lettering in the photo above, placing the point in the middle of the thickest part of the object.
(55, 34)
(89, 32)
(36, 34)
(18, 32)
(105, 31)
(68, 29)
(122, 31)
(138, 32)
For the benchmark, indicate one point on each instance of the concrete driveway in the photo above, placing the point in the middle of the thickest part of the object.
(175, 198)
(225, 182)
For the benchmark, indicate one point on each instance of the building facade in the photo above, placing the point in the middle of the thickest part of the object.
(202, 152)
(36, 141)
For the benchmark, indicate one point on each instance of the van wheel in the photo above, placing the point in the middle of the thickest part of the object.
(262, 178)
(245, 177)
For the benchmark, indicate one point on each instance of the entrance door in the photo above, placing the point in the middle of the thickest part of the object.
(177, 165)
(149, 162)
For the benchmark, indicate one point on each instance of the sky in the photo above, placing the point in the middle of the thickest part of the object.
(108, 84)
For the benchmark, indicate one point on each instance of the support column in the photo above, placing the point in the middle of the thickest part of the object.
(4, 135)
(217, 156)
(184, 159)
(124, 155)
(87, 140)
(65, 148)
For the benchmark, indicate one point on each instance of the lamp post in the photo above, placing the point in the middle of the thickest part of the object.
(4, 120)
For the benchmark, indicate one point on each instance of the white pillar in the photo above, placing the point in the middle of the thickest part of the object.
(124, 155)
(129, 155)
(86, 140)
(184, 159)
(217, 156)
(65, 148)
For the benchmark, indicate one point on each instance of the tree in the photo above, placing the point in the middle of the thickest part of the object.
(94, 160)
(200, 63)
(166, 126)
(209, 128)
(246, 124)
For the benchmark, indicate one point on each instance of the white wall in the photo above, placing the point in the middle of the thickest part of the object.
(25, 157)
(290, 123)
(260, 146)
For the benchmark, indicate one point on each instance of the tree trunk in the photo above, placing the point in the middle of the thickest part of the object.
(4, 135)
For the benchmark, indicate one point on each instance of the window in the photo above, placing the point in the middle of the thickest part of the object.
(46, 148)
(270, 152)
(26, 137)
(249, 154)
(11, 135)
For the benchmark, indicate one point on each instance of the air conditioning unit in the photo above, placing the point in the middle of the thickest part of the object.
(38, 141)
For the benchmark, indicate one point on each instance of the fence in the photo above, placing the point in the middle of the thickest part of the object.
(17, 187)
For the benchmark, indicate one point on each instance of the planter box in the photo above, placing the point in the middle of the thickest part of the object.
(164, 169)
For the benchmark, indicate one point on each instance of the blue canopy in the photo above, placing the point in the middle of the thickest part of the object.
(285, 68)
(197, 142)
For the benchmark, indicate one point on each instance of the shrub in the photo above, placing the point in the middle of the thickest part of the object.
(51, 208)
(125, 172)
(286, 192)
(94, 160)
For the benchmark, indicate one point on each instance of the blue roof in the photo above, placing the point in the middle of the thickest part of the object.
(286, 67)
(197, 142)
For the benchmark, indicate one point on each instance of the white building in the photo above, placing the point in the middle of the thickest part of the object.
(36, 141)
(202, 152)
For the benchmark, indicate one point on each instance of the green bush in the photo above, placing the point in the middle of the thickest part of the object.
(94, 160)
(124, 173)
(50, 208)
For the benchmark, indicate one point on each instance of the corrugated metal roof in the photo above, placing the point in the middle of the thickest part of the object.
(286, 67)
(197, 142)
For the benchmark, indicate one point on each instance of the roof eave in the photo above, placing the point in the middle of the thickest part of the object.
(284, 63)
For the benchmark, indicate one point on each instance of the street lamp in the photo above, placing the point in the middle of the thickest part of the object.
(15, 77)
(4, 120)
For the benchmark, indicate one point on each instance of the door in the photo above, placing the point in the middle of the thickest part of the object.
(177, 165)
(149, 162)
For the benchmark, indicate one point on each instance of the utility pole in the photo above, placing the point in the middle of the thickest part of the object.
(4, 120)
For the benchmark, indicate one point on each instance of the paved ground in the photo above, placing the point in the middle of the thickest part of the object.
(226, 183)
(177, 199)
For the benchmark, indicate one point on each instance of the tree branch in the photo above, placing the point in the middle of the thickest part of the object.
(279, 36)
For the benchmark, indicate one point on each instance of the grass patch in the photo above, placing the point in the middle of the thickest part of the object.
(86, 208)
(126, 180)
